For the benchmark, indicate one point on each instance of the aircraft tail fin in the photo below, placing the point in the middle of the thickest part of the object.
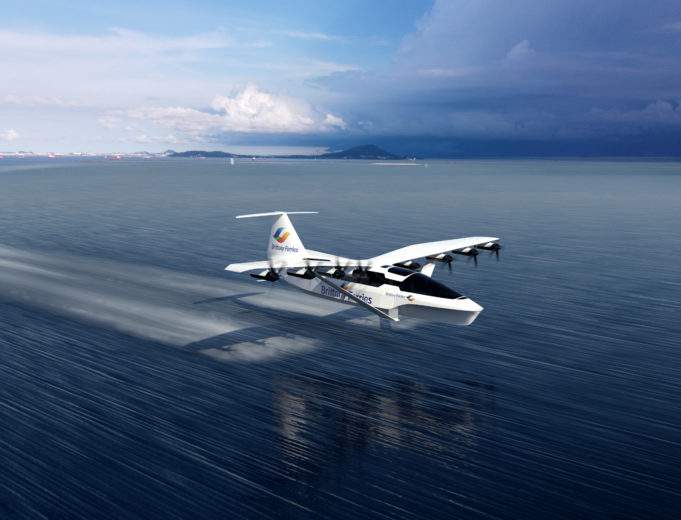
(284, 244)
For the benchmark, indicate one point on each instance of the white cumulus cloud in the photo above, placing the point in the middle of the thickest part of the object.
(9, 135)
(332, 121)
(249, 110)
(253, 110)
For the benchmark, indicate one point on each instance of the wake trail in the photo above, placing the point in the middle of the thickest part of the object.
(159, 304)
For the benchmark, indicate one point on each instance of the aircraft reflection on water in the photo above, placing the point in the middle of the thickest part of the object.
(325, 420)
(322, 422)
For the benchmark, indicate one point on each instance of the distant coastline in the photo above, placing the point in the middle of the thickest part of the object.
(363, 152)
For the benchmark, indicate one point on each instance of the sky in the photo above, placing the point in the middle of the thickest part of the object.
(423, 77)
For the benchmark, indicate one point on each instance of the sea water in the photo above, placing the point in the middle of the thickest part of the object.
(140, 380)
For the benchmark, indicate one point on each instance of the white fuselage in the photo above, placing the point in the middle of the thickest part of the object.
(387, 285)
(393, 299)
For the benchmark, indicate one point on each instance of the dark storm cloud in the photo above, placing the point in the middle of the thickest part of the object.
(528, 70)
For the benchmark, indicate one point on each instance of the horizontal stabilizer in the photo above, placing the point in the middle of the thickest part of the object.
(275, 213)
(249, 266)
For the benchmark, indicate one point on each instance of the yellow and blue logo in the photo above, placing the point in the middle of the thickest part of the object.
(280, 235)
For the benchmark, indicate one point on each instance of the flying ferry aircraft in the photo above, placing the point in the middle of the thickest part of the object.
(391, 285)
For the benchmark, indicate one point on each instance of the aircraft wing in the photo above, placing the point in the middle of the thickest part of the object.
(427, 249)
(319, 259)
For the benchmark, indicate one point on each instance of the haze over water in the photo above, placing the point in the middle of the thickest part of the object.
(139, 380)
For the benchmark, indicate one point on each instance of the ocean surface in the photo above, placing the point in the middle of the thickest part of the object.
(140, 380)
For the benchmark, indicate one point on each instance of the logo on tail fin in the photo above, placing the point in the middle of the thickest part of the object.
(280, 235)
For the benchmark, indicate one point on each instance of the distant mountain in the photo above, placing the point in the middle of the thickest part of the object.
(201, 153)
(367, 151)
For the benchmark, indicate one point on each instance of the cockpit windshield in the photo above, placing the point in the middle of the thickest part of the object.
(421, 284)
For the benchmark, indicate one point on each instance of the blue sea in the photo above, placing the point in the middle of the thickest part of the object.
(139, 380)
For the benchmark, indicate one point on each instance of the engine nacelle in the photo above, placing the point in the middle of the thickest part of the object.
(269, 275)
(442, 257)
(338, 273)
(305, 273)
(360, 276)
(409, 264)
(490, 246)
(466, 251)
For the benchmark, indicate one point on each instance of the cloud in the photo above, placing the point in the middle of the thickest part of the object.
(36, 101)
(520, 51)
(249, 110)
(660, 112)
(110, 121)
(331, 121)
(252, 110)
(117, 68)
(140, 64)
(672, 27)
(564, 70)
(116, 41)
(446, 72)
(305, 35)
(76, 85)
(9, 135)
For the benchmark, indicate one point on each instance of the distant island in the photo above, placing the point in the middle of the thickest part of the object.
(202, 154)
(366, 152)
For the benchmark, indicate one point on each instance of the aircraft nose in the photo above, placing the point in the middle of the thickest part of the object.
(471, 306)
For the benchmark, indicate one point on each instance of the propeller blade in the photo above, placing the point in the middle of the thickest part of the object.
(273, 273)
(339, 271)
(493, 247)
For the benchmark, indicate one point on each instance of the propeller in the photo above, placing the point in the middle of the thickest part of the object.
(492, 247)
(359, 273)
(448, 259)
(442, 258)
(271, 275)
(309, 271)
(470, 252)
(339, 272)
